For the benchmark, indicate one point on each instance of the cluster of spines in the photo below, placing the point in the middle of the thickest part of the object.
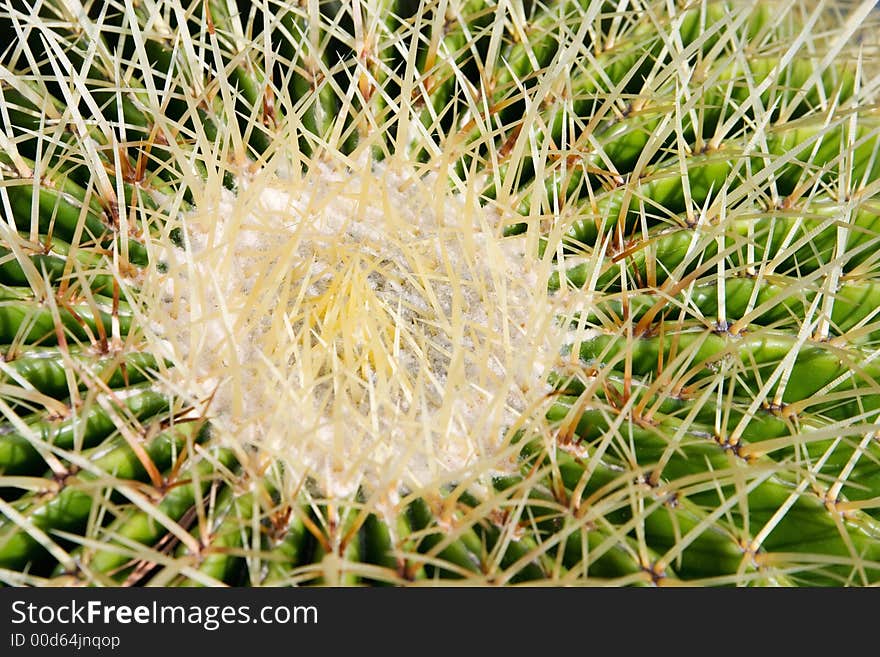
(713, 175)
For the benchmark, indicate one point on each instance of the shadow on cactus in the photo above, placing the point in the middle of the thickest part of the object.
(399, 292)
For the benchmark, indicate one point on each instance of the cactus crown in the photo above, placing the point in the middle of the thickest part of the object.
(386, 291)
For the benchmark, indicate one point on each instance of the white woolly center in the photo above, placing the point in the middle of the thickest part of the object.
(366, 328)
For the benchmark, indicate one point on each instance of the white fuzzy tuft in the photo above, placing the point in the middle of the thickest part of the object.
(368, 327)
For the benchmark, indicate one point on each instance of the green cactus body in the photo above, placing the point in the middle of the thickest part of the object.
(605, 307)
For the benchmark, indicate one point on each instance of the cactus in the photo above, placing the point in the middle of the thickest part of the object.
(399, 292)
